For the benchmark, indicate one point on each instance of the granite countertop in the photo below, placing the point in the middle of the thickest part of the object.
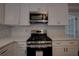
(6, 41)
(62, 38)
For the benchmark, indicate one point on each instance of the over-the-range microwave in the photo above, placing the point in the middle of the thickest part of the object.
(38, 17)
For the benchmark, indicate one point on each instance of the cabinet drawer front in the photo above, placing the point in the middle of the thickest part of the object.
(71, 43)
(58, 43)
(21, 43)
(63, 43)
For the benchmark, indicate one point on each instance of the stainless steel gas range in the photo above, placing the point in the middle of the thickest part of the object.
(39, 44)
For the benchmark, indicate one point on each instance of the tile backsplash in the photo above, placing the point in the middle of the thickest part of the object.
(25, 31)
(4, 31)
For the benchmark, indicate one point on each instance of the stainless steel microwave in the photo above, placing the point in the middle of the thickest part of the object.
(38, 17)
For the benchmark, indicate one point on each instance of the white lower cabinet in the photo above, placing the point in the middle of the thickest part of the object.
(21, 51)
(65, 51)
(58, 51)
(65, 48)
(71, 51)
(21, 48)
(60, 48)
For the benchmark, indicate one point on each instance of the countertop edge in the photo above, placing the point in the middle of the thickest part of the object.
(7, 44)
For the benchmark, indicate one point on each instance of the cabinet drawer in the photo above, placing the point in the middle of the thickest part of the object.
(71, 43)
(21, 44)
(21, 51)
(63, 43)
(58, 43)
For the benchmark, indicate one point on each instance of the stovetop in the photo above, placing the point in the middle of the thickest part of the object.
(39, 37)
(39, 41)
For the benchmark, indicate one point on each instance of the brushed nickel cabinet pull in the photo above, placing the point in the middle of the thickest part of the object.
(67, 49)
(71, 42)
(58, 43)
(64, 49)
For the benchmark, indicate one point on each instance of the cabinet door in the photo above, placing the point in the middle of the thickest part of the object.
(34, 7)
(38, 7)
(58, 14)
(51, 15)
(12, 49)
(71, 51)
(1, 13)
(12, 14)
(24, 14)
(61, 14)
(58, 51)
(21, 48)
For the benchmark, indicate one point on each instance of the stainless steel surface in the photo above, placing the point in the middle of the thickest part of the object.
(39, 12)
(38, 17)
(43, 21)
(39, 46)
(39, 42)
(39, 31)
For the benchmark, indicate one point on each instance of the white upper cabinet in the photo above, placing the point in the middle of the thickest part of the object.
(24, 14)
(18, 14)
(58, 14)
(25, 10)
(38, 7)
(12, 13)
(1, 13)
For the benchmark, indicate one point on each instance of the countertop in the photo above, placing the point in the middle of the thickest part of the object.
(62, 38)
(6, 41)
